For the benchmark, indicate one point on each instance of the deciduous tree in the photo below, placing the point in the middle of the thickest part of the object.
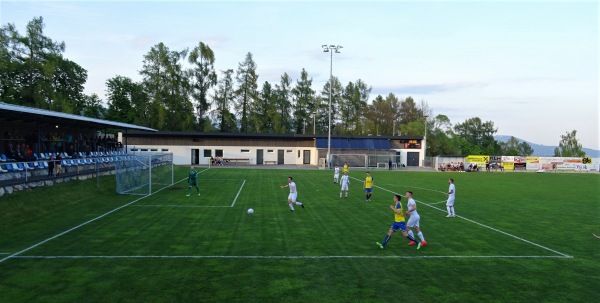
(569, 146)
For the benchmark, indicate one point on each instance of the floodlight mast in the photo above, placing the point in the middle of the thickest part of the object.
(330, 49)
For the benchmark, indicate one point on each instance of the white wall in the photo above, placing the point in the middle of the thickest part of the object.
(182, 155)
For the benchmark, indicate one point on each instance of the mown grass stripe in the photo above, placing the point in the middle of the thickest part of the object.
(290, 257)
(480, 224)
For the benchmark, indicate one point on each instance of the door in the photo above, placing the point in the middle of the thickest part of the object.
(280, 156)
(412, 159)
(398, 157)
(306, 158)
(259, 157)
(195, 156)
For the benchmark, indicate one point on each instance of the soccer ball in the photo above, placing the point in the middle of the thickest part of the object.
(250, 211)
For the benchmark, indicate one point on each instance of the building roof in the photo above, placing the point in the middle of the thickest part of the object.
(261, 136)
(11, 112)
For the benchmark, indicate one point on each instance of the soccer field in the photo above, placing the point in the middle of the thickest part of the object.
(517, 237)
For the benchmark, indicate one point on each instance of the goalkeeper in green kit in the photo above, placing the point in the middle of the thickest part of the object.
(192, 176)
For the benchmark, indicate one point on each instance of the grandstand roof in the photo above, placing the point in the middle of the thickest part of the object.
(11, 112)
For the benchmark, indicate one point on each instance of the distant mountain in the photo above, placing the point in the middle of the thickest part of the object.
(546, 150)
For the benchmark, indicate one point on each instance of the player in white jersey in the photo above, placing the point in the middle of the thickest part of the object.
(413, 220)
(345, 181)
(293, 196)
(451, 196)
(336, 174)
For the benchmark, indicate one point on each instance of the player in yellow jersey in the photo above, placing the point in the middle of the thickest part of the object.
(345, 169)
(368, 186)
(399, 223)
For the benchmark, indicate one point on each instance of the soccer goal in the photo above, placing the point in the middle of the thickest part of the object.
(353, 160)
(143, 173)
(364, 160)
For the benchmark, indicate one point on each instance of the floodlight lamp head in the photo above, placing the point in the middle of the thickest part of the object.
(332, 46)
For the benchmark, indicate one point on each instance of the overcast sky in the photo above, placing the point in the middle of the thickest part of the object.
(531, 67)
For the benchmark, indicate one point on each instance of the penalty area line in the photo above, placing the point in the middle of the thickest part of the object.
(238, 193)
(291, 257)
(82, 224)
(483, 225)
(178, 206)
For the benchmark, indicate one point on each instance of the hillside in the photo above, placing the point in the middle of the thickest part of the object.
(547, 150)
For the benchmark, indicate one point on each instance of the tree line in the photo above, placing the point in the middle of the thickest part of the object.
(181, 90)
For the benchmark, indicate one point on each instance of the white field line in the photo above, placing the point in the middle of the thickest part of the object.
(178, 206)
(439, 202)
(480, 224)
(292, 257)
(239, 191)
(82, 224)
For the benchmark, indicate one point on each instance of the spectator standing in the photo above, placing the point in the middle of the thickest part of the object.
(51, 167)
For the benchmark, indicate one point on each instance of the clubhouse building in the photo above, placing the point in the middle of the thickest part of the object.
(197, 148)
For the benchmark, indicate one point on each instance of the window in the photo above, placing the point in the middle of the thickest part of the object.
(298, 153)
(154, 149)
(245, 151)
(208, 153)
(270, 151)
(289, 150)
(165, 149)
(218, 153)
(134, 149)
(144, 149)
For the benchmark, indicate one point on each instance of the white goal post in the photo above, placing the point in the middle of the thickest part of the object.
(143, 173)
(365, 161)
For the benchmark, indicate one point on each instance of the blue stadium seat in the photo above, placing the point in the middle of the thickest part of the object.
(3, 158)
(2, 170)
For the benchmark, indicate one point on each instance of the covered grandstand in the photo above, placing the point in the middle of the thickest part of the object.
(33, 138)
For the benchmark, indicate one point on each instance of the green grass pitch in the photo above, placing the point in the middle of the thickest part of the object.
(519, 237)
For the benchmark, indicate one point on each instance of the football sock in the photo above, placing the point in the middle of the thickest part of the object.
(291, 206)
(452, 209)
(420, 234)
(298, 203)
(410, 233)
(387, 238)
(340, 194)
(412, 238)
(346, 194)
(448, 208)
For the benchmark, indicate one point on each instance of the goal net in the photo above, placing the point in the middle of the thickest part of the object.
(363, 160)
(143, 173)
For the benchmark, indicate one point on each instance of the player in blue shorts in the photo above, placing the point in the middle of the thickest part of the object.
(399, 224)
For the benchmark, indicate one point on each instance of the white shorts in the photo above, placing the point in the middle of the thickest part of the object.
(413, 221)
(292, 197)
(450, 202)
(344, 187)
(336, 176)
